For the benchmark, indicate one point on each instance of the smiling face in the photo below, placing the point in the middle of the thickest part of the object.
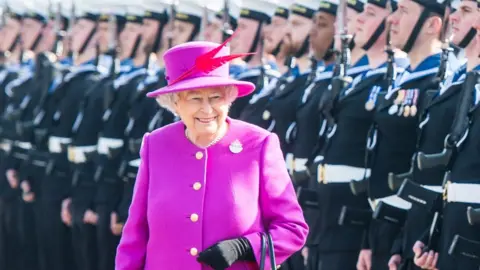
(203, 111)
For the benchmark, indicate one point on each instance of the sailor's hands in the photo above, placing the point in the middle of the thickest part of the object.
(12, 178)
(425, 260)
(115, 226)
(394, 262)
(27, 194)
(364, 259)
(65, 212)
(90, 217)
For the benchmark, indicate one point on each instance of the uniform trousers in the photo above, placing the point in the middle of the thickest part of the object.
(10, 234)
(455, 222)
(295, 262)
(28, 235)
(318, 260)
(84, 238)
(381, 238)
(107, 242)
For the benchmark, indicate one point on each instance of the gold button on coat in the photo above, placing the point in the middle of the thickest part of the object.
(193, 251)
(199, 155)
(197, 186)
(194, 217)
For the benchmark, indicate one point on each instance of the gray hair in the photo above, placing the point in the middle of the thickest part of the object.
(168, 100)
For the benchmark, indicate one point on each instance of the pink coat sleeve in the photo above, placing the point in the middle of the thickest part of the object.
(131, 251)
(281, 213)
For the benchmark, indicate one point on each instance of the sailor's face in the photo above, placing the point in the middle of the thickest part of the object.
(322, 34)
(128, 38)
(149, 31)
(244, 35)
(30, 30)
(352, 16)
(463, 19)
(48, 37)
(274, 32)
(181, 32)
(298, 30)
(367, 23)
(80, 33)
(403, 21)
(9, 33)
(213, 31)
(104, 35)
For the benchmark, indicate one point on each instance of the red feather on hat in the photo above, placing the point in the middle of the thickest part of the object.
(207, 62)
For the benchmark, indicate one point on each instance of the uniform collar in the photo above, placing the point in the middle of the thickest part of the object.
(427, 67)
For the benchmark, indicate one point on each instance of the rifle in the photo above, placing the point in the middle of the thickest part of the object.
(71, 23)
(227, 28)
(171, 23)
(390, 74)
(59, 33)
(340, 79)
(445, 36)
(459, 129)
(114, 67)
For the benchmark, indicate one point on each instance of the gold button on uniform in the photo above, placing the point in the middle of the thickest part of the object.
(199, 155)
(197, 186)
(193, 251)
(194, 217)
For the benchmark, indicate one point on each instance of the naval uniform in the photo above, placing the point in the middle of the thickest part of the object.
(56, 120)
(144, 115)
(435, 124)
(394, 137)
(462, 191)
(253, 75)
(111, 146)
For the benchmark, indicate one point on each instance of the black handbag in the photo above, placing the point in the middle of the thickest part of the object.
(267, 241)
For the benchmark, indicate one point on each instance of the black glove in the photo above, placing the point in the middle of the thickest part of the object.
(225, 253)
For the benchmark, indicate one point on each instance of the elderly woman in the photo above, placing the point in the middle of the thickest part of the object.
(208, 186)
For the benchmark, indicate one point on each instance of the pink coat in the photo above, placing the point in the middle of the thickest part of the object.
(187, 198)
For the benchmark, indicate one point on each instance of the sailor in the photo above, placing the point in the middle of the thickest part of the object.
(21, 95)
(394, 131)
(220, 27)
(273, 35)
(462, 187)
(144, 114)
(188, 21)
(53, 125)
(282, 105)
(434, 125)
(254, 16)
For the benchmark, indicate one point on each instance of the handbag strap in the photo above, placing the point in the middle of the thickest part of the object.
(266, 240)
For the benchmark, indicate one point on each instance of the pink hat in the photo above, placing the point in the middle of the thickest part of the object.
(199, 64)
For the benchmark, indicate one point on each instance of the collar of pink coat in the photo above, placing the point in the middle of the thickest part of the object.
(222, 145)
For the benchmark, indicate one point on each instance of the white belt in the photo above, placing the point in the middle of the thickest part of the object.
(393, 200)
(24, 145)
(55, 144)
(77, 154)
(289, 161)
(463, 193)
(105, 144)
(6, 146)
(438, 189)
(135, 163)
(341, 173)
(299, 164)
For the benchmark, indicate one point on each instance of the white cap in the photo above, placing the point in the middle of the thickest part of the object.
(311, 4)
(216, 6)
(108, 7)
(40, 7)
(190, 7)
(286, 4)
(18, 7)
(137, 8)
(266, 7)
(158, 6)
(86, 6)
